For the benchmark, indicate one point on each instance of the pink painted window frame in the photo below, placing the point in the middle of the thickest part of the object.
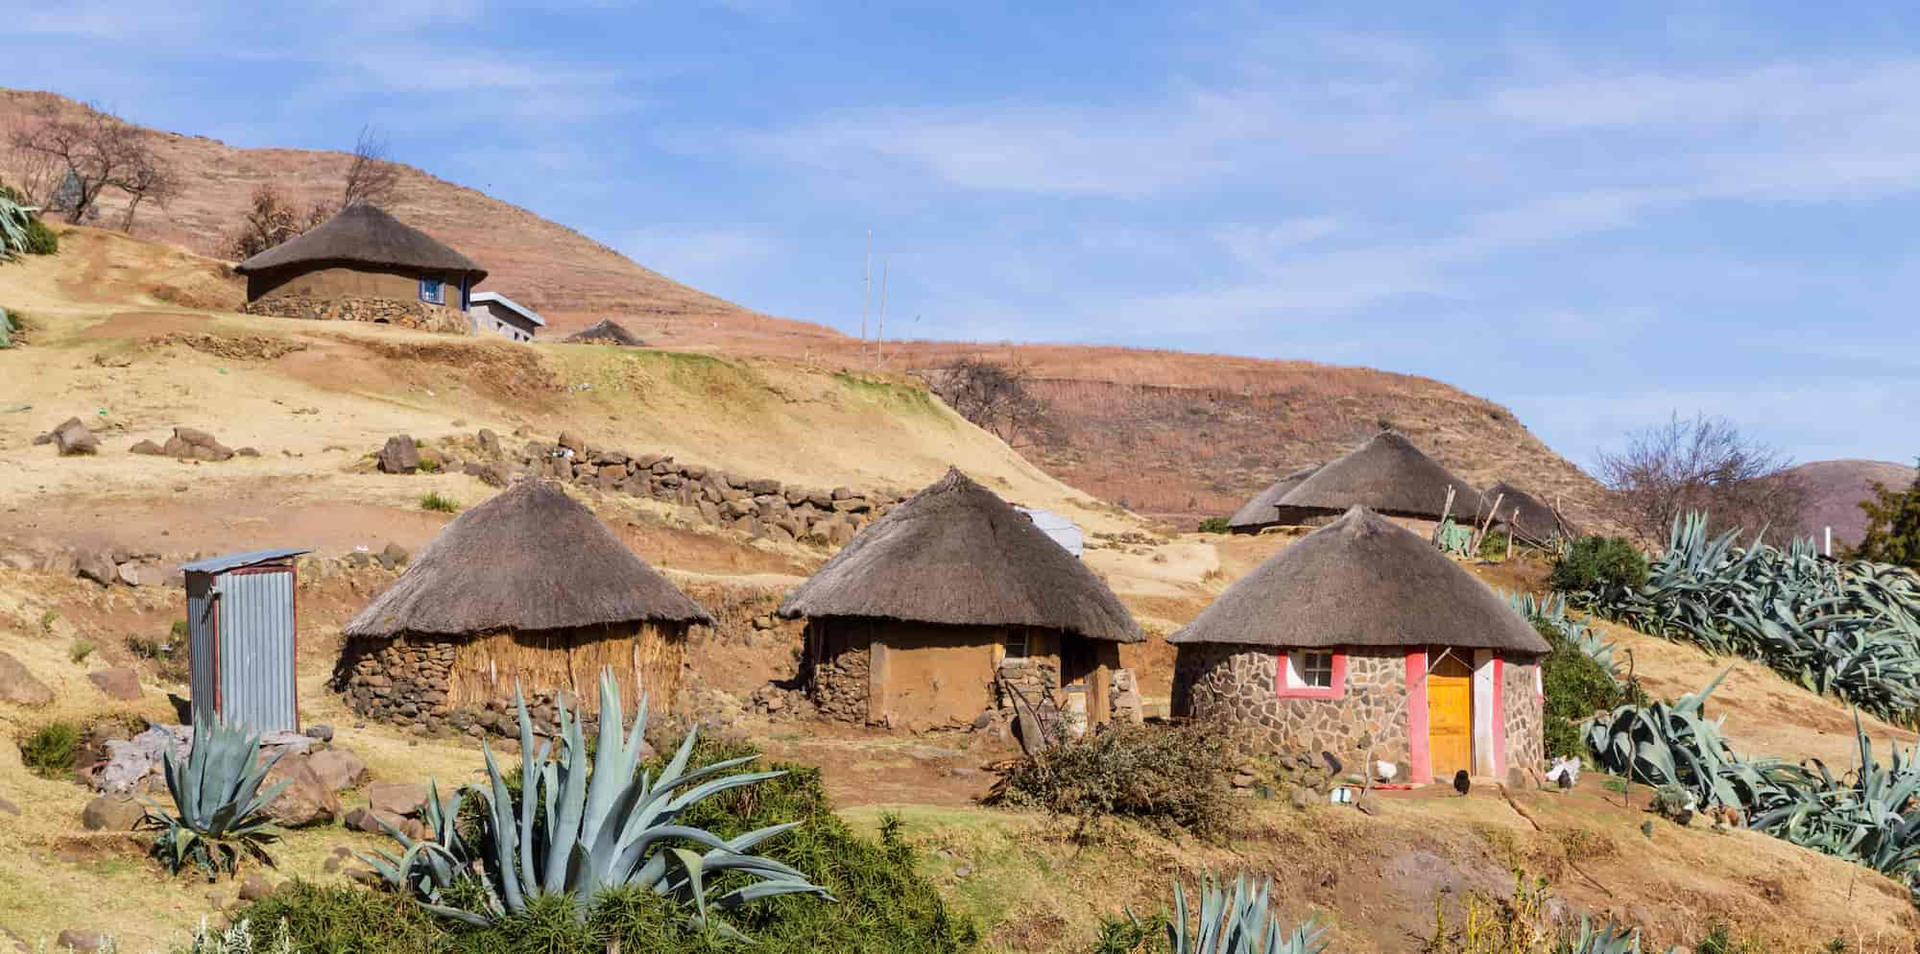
(1336, 691)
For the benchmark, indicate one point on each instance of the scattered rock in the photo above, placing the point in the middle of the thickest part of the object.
(192, 443)
(338, 769)
(148, 448)
(74, 939)
(19, 687)
(72, 438)
(9, 807)
(119, 683)
(392, 555)
(489, 443)
(247, 452)
(255, 887)
(96, 565)
(321, 732)
(307, 800)
(112, 813)
(1301, 798)
(368, 820)
(397, 798)
(400, 456)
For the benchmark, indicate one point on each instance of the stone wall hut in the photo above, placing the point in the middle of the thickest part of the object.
(1364, 641)
(1262, 511)
(529, 588)
(1387, 475)
(492, 313)
(1525, 517)
(932, 612)
(364, 265)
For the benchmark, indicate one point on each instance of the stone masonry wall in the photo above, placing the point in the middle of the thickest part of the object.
(407, 682)
(1235, 686)
(1526, 742)
(406, 314)
(838, 685)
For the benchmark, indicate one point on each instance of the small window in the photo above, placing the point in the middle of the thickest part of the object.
(1316, 670)
(1016, 644)
(433, 291)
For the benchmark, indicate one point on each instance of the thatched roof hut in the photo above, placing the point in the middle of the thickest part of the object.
(1365, 641)
(605, 331)
(1262, 510)
(364, 234)
(527, 591)
(531, 558)
(1361, 581)
(1525, 516)
(952, 605)
(1388, 475)
(956, 554)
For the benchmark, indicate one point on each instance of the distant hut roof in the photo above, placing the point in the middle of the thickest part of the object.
(1362, 581)
(956, 554)
(1261, 510)
(606, 331)
(364, 234)
(1534, 521)
(531, 558)
(1386, 474)
(495, 298)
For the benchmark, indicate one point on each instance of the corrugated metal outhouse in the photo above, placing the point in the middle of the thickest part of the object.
(242, 619)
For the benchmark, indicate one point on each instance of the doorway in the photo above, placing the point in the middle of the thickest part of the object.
(1450, 716)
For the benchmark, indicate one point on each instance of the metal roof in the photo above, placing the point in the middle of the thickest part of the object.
(234, 561)
(496, 297)
(1063, 531)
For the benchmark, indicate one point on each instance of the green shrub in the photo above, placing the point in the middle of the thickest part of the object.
(48, 752)
(1494, 545)
(438, 502)
(1214, 525)
(80, 650)
(429, 465)
(1595, 565)
(1577, 686)
(1171, 777)
(41, 240)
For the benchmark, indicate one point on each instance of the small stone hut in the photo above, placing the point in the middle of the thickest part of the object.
(1262, 511)
(942, 610)
(1387, 475)
(1525, 517)
(529, 588)
(364, 265)
(1364, 641)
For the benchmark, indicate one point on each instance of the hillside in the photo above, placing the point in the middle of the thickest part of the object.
(1835, 489)
(1176, 436)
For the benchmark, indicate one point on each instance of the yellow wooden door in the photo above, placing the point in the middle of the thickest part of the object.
(1450, 717)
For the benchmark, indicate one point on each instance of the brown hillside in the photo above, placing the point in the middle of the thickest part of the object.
(1178, 436)
(1835, 489)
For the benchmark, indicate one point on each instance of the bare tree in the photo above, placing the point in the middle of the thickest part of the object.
(372, 177)
(1703, 463)
(91, 153)
(271, 220)
(998, 398)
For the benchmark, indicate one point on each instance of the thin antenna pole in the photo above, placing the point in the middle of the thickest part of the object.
(866, 292)
(881, 344)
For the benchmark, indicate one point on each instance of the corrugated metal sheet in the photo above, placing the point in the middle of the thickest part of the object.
(201, 634)
(230, 561)
(256, 650)
(1063, 531)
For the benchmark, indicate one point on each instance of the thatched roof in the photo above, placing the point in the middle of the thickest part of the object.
(606, 331)
(956, 554)
(531, 558)
(363, 234)
(1261, 510)
(1535, 522)
(1362, 581)
(1386, 474)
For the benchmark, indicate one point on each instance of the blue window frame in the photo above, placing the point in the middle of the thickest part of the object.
(433, 291)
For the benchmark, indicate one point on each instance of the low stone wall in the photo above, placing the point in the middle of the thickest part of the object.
(1235, 687)
(407, 314)
(838, 685)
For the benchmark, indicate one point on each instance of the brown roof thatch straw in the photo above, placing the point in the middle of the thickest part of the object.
(1386, 474)
(606, 331)
(1362, 581)
(363, 234)
(1261, 511)
(956, 554)
(1534, 522)
(531, 558)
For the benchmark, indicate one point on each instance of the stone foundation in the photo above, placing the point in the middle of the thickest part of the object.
(388, 311)
(1235, 686)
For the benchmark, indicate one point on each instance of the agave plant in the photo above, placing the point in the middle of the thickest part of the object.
(14, 218)
(1609, 938)
(1552, 610)
(588, 821)
(222, 812)
(1236, 922)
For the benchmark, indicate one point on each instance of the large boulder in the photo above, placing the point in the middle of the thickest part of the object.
(489, 443)
(19, 687)
(192, 443)
(400, 455)
(338, 769)
(72, 438)
(306, 800)
(112, 813)
(119, 683)
(96, 565)
(397, 798)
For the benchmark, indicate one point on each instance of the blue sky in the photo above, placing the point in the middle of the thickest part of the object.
(1595, 215)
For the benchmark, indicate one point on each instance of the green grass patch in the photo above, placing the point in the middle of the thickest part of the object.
(80, 650)
(48, 751)
(894, 395)
(438, 502)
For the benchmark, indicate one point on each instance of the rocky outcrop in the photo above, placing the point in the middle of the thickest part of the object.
(19, 687)
(400, 455)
